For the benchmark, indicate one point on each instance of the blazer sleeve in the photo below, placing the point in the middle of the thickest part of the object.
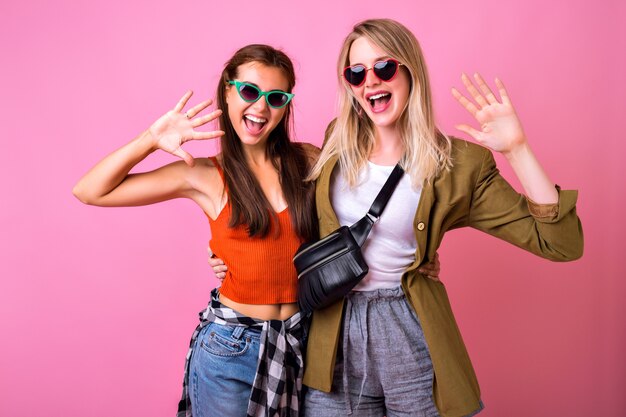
(552, 231)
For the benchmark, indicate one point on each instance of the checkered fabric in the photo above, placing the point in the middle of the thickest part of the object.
(277, 387)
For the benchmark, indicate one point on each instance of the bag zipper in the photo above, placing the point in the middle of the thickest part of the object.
(324, 260)
(316, 244)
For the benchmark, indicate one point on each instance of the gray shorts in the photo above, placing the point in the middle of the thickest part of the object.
(383, 365)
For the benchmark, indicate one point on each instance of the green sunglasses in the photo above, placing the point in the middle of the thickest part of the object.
(276, 99)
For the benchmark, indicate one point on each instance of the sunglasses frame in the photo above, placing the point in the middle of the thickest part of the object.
(398, 64)
(262, 93)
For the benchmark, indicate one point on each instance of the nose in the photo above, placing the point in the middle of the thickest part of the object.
(260, 104)
(371, 78)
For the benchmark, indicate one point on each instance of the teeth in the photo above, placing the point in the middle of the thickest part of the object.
(377, 96)
(255, 119)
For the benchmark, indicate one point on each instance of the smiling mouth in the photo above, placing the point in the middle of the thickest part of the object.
(379, 101)
(254, 124)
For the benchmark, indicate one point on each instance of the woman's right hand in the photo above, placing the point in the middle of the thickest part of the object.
(109, 182)
(432, 269)
(218, 266)
(176, 127)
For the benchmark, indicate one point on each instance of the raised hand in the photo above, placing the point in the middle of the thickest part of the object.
(500, 128)
(174, 128)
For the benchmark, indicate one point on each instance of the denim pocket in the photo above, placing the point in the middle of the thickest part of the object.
(219, 341)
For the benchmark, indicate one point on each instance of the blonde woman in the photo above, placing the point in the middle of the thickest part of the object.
(392, 347)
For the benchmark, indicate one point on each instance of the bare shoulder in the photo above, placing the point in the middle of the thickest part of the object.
(208, 162)
(205, 174)
(207, 185)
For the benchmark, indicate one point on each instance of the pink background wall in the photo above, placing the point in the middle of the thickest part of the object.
(97, 305)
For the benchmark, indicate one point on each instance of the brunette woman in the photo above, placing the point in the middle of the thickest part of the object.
(259, 211)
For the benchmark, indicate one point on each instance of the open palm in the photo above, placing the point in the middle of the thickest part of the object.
(175, 128)
(500, 128)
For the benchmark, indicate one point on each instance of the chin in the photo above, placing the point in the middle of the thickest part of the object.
(252, 140)
(248, 139)
(383, 120)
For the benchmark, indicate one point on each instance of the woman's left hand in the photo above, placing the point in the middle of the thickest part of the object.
(500, 128)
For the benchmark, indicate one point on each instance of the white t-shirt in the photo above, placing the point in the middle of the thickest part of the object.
(390, 248)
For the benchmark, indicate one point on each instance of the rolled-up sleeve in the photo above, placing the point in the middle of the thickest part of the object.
(552, 231)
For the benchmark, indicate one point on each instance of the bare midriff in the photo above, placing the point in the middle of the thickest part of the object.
(262, 311)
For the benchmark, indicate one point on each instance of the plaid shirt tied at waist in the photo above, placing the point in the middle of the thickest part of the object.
(277, 387)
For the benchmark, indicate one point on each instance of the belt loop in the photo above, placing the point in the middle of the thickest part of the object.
(238, 332)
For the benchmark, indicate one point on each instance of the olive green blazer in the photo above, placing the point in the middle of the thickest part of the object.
(472, 193)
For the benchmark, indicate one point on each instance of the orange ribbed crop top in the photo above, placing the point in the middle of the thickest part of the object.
(260, 270)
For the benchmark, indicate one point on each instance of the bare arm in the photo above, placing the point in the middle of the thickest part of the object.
(109, 183)
(501, 131)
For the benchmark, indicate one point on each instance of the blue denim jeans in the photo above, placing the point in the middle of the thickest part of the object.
(222, 370)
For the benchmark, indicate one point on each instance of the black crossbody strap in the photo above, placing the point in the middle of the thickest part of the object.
(361, 229)
(384, 195)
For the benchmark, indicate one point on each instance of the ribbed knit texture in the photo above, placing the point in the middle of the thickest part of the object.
(260, 270)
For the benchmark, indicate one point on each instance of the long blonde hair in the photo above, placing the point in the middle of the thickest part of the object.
(351, 137)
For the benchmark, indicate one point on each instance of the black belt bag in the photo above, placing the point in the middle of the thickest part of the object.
(329, 268)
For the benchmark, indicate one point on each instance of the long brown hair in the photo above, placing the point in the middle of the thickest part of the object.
(249, 205)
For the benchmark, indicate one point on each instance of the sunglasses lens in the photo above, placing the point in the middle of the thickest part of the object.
(248, 92)
(385, 70)
(276, 99)
(355, 74)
